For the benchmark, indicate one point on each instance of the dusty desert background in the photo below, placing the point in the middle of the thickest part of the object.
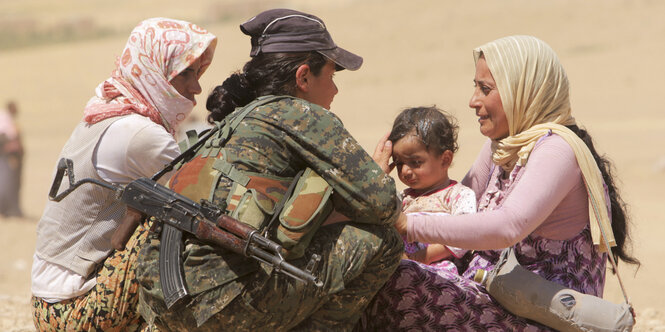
(54, 53)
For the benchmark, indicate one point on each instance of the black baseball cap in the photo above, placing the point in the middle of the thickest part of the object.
(287, 30)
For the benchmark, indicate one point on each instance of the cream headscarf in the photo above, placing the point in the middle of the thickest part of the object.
(534, 92)
(157, 50)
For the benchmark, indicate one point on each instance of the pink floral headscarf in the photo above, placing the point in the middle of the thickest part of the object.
(158, 49)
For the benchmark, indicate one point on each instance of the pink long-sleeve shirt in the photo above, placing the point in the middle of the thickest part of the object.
(548, 199)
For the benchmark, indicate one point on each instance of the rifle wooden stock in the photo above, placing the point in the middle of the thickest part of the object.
(232, 225)
(208, 232)
(246, 232)
(128, 225)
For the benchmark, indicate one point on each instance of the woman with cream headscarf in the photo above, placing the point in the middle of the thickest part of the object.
(79, 282)
(541, 189)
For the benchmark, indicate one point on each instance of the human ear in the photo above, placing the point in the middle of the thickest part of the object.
(302, 73)
(446, 158)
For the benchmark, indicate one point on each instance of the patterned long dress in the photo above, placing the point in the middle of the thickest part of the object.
(423, 298)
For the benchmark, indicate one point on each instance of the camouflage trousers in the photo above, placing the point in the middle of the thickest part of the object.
(109, 306)
(357, 259)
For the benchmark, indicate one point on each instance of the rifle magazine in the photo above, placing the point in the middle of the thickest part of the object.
(171, 275)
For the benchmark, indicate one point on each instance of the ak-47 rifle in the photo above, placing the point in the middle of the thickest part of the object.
(180, 214)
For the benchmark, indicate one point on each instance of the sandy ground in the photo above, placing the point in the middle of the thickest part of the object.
(415, 54)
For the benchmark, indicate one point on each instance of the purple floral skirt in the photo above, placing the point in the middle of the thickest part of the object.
(419, 297)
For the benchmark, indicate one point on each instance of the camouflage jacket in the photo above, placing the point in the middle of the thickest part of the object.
(278, 139)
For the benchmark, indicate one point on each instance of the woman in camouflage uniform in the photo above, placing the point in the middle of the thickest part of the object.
(293, 56)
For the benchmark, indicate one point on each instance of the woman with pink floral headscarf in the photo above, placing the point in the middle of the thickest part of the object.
(79, 282)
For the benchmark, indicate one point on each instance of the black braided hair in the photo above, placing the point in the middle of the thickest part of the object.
(265, 74)
(620, 220)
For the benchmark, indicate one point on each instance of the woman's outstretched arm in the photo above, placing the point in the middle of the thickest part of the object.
(550, 176)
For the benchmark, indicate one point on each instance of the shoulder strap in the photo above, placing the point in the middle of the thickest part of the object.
(224, 127)
(241, 113)
(221, 164)
(187, 154)
(192, 137)
(615, 266)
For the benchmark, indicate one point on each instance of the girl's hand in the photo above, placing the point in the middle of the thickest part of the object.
(433, 253)
(383, 152)
(419, 256)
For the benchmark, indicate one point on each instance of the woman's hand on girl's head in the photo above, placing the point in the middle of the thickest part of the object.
(383, 152)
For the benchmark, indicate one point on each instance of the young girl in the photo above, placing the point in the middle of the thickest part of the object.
(424, 141)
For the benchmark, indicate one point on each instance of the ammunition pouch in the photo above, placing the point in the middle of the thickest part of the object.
(301, 214)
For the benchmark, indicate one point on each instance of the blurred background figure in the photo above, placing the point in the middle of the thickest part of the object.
(11, 162)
